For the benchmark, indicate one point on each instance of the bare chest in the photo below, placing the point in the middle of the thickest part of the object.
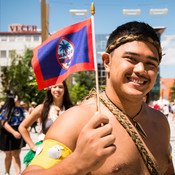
(127, 159)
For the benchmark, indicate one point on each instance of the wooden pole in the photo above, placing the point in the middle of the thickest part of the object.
(44, 20)
(95, 56)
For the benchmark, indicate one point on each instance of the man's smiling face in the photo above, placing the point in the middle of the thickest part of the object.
(134, 67)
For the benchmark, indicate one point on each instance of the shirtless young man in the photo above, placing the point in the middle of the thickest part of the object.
(131, 62)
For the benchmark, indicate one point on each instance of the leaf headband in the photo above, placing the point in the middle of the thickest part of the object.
(129, 38)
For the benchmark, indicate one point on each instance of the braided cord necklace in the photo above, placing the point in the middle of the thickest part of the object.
(121, 117)
(136, 124)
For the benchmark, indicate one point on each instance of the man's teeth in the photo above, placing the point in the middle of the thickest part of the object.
(137, 81)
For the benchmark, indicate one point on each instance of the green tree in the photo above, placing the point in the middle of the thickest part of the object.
(173, 92)
(19, 78)
(83, 82)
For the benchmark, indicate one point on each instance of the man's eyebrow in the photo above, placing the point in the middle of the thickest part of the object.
(153, 58)
(136, 54)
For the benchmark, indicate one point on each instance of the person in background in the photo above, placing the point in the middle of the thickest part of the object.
(23, 105)
(57, 100)
(32, 107)
(157, 107)
(11, 141)
(1, 104)
(34, 125)
(173, 109)
(166, 110)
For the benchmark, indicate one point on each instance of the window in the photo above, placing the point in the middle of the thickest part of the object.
(11, 53)
(103, 44)
(3, 54)
(28, 38)
(11, 38)
(103, 73)
(35, 38)
(20, 38)
(3, 38)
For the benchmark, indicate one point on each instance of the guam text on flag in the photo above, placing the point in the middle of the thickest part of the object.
(67, 51)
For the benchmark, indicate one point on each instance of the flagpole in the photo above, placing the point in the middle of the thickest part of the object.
(95, 56)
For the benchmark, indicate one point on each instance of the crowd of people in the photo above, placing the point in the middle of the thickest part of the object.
(167, 108)
(120, 135)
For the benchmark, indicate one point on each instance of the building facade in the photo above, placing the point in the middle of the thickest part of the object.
(18, 38)
(101, 40)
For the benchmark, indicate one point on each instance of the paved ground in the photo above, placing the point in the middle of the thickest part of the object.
(35, 138)
(23, 153)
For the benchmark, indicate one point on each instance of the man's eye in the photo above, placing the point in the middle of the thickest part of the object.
(151, 66)
(130, 58)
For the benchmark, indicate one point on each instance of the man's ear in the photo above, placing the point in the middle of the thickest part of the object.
(106, 57)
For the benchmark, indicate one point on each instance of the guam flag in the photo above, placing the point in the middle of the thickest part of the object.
(67, 51)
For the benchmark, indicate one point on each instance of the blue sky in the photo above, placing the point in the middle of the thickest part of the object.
(109, 14)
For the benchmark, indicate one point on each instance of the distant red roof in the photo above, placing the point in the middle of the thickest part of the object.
(168, 82)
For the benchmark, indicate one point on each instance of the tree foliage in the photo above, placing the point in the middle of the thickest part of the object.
(173, 92)
(83, 82)
(19, 78)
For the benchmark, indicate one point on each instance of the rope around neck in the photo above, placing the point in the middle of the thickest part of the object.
(121, 117)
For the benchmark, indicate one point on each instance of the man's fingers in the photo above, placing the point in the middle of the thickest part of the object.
(108, 141)
(97, 120)
(104, 130)
(109, 150)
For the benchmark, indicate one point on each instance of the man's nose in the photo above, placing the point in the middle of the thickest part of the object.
(139, 67)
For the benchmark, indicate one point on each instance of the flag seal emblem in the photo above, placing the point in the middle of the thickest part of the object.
(65, 52)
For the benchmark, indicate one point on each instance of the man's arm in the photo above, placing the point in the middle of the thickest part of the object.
(93, 146)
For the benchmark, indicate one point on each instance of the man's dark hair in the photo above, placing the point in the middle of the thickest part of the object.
(133, 29)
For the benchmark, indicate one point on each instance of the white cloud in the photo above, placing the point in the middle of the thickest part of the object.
(168, 45)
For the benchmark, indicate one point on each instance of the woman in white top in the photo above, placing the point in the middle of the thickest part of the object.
(57, 100)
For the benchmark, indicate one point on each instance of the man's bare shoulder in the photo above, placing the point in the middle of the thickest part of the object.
(68, 125)
(158, 118)
(158, 114)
